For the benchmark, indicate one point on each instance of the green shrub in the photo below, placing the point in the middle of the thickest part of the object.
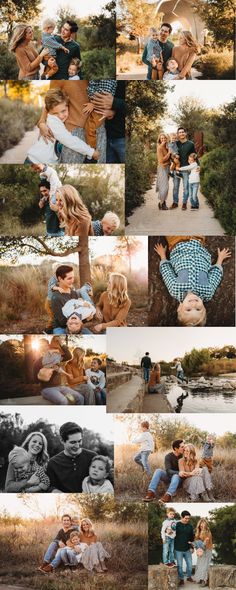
(99, 64)
(218, 170)
(8, 66)
(217, 66)
(140, 167)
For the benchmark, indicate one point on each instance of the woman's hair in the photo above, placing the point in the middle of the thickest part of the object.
(18, 36)
(190, 41)
(42, 457)
(156, 367)
(89, 522)
(117, 289)
(73, 211)
(78, 356)
(192, 460)
(107, 462)
(54, 97)
(160, 135)
(56, 343)
(199, 533)
(185, 320)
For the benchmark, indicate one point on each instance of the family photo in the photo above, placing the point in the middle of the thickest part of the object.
(163, 370)
(73, 200)
(62, 121)
(175, 40)
(73, 286)
(191, 546)
(162, 458)
(180, 145)
(61, 370)
(55, 453)
(191, 281)
(76, 540)
(48, 41)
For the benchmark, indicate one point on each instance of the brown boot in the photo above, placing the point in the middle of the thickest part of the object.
(150, 496)
(48, 569)
(174, 205)
(42, 566)
(166, 498)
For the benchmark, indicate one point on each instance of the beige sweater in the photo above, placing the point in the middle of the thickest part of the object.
(25, 55)
(185, 56)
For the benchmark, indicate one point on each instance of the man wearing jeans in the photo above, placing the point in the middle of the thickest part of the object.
(146, 365)
(184, 536)
(169, 475)
(52, 553)
(185, 148)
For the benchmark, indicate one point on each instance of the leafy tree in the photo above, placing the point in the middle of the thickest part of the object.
(191, 114)
(138, 16)
(8, 64)
(223, 527)
(193, 360)
(104, 31)
(224, 124)
(219, 16)
(146, 103)
(13, 12)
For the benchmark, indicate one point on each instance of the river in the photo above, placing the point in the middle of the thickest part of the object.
(183, 399)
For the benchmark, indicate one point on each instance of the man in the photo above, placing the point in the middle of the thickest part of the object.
(113, 108)
(65, 278)
(185, 147)
(67, 470)
(184, 534)
(146, 365)
(166, 47)
(68, 30)
(58, 543)
(170, 475)
(47, 187)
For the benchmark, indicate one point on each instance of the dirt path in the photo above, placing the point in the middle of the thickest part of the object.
(17, 154)
(149, 220)
(156, 402)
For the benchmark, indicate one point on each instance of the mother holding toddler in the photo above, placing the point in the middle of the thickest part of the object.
(203, 534)
(28, 59)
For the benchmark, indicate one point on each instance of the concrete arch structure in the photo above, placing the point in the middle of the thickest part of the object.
(182, 11)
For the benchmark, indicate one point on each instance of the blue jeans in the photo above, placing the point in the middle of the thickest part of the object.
(68, 557)
(187, 556)
(60, 232)
(146, 373)
(100, 397)
(56, 395)
(142, 459)
(161, 475)
(177, 179)
(193, 192)
(116, 150)
(51, 551)
(168, 551)
(57, 559)
(149, 72)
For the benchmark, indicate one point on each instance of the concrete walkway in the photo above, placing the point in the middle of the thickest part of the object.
(17, 154)
(118, 398)
(32, 400)
(149, 220)
(156, 402)
(6, 587)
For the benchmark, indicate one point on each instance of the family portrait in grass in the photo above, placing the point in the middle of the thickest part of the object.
(163, 458)
(175, 40)
(116, 531)
(64, 41)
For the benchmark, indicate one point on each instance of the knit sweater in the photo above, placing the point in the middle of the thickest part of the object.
(113, 316)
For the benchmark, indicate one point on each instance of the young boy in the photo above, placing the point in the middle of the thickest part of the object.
(207, 453)
(57, 107)
(106, 227)
(168, 533)
(97, 380)
(189, 275)
(154, 55)
(172, 70)
(194, 179)
(33, 478)
(96, 482)
(146, 442)
(49, 42)
(179, 371)
(74, 69)
(95, 119)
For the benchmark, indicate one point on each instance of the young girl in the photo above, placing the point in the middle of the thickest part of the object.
(96, 482)
(95, 555)
(27, 475)
(73, 214)
(114, 303)
(189, 275)
(194, 179)
(72, 554)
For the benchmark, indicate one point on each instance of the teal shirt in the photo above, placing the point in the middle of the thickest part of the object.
(184, 533)
(166, 52)
(63, 59)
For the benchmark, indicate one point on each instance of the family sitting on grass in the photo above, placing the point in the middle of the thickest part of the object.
(182, 468)
(65, 212)
(180, 541)
(75, 469)
(76, 544)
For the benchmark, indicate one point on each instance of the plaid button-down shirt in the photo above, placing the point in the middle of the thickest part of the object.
(190, 270)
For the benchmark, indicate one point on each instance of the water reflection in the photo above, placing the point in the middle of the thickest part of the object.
(212, 400)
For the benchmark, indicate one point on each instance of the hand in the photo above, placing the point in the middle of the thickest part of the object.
(182, 474)
(98, 328)
(88, 108)
(106, 114)
(61, 544)
(102, 100)
(99, 315)
(46, 132)
(223, 254)
(161, 251)
(96, 155)
(65, 50)
(33, 480)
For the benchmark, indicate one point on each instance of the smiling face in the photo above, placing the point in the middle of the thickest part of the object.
(192, 303)
(163, 138)
(182, 135)
(72, 70)
(21, 464)
(108, 228)
(35, 445)
(29, 34)
(65, 31)
(73, 444)
(94, 365)
(61, 111)
(66, 522)
(185, 519)
(52, 62)
(74, 324)
(97, 470)
(67, 281)
(164, 34)
(75, 540)
(172, 65)
(180, 450)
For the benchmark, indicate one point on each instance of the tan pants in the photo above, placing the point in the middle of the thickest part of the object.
(48, 308)
(206, 463)
(174, 240)
(93, 122)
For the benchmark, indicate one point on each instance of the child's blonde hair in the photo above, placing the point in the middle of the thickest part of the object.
(185, 320)
(54, 97)
(107, 462)
(18, 453)
(48, 22)
(73, 211)
(194, 156)
(112, 218)
(117, 289)
(74, 534)
(76, 62)
(169, 509)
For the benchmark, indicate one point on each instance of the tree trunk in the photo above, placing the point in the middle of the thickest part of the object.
(29, 358)
(84, 264)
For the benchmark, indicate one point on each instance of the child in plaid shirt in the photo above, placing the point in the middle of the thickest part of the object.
(95, 119)
(30, 473)
(189, 275)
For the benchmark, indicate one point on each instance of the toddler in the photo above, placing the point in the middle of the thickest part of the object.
(96, 482)
(106, 227)
(145, 440)
(168, 533)
(194, 179)
(22, 469)
(172, 70)
(175, 158)
(154, 55)
(94, 119)
(57, 108)
(97, 380)
(207, 453)
(49, 42)
(74, 69)
(199, 545)
(189, 275)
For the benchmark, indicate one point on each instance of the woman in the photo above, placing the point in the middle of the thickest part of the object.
(36, 446)
(203, 533)
(185, 54)
(73, 214)
(196, 480)
(77, 379)
(114, 303)
(27, 57)
(163, 169)
(94, 556)
(154, 384)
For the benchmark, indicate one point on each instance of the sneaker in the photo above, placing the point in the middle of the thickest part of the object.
(164, 499)
(191, 580)
(184, 207)
(174, 205)
(150, 496)
(164, 207)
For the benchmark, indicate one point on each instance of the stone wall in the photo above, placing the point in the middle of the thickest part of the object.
(162, 578)
(117, 374)
(222, 576)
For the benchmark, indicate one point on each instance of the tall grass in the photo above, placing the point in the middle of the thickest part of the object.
(218, 367)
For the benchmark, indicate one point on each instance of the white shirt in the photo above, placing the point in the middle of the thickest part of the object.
(145, 440)
(44, 153)
(95, 378)
(194, 176)
(83, 308)
(89, 488)
(51, 175)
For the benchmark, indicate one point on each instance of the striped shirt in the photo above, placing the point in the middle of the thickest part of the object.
(190, 270)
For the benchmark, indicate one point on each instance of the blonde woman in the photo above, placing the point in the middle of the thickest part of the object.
(114, 303)
(163, 169)
(28, 59)
(185, 54)
(73, 214)
(203, 534)
(77, 379)
(36, 446)
(94, 556)
(196, 480)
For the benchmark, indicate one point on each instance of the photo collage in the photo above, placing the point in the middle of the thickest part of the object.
(117, 233)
